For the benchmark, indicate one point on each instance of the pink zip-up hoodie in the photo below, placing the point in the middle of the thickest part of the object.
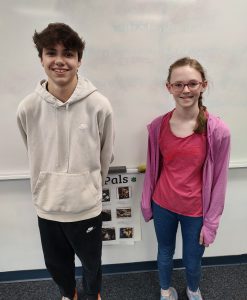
(215, 172)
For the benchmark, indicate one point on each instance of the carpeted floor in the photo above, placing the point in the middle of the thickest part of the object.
(218, 283)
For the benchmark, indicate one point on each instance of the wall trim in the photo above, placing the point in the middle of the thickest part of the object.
(41, 274)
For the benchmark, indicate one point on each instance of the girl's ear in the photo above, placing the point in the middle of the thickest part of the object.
(168, 86)
(204, 85)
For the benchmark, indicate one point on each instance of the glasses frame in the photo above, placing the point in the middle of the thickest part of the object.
(186, 84)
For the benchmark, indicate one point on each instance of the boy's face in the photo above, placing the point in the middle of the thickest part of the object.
(60, 64)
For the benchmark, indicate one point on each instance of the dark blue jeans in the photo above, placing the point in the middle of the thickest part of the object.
(166, 224)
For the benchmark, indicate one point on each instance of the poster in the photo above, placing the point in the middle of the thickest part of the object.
(121, 209)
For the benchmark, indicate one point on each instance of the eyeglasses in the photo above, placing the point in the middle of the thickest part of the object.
(179, 86)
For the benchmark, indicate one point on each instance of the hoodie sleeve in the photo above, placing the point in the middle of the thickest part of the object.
(218, 191)
(21, 122)
(147, 187)
(153, 167)
(106, 141)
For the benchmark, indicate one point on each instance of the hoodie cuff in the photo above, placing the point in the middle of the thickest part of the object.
(209, 234)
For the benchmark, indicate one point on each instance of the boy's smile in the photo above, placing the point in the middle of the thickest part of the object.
(59, 70)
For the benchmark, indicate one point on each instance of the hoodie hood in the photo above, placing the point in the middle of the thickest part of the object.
(83, 89)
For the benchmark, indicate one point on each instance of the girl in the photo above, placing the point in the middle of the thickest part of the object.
(186, 176)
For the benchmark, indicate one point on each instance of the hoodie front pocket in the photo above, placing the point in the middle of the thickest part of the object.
(65, 193)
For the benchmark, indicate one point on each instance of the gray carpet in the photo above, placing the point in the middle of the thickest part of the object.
(218, 283)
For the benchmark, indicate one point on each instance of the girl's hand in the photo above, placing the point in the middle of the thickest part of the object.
(201, 240)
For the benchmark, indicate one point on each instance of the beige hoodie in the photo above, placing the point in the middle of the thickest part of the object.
(70, 147)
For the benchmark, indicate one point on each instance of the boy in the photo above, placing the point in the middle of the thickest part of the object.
(67, 126)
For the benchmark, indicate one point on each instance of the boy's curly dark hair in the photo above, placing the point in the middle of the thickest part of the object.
(58, 33)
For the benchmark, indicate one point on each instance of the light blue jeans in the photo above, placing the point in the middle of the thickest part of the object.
(166, 224)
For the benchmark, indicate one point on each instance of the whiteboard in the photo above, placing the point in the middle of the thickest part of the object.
(129, 47)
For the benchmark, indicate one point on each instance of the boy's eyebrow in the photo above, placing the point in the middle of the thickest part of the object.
(54, 49)
(49, 48)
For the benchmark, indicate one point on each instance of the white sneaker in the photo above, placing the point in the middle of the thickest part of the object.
(74, 298)
(193, 295)
(173, 295)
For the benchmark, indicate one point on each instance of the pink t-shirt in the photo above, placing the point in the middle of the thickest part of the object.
(179, 188)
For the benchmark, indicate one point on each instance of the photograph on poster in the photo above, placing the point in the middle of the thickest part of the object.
(106, 215)
(124, 192)
(108, 234)
(106, 195)
(126, 233)
(124, 212)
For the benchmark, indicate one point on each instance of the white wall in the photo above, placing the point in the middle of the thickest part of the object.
(21, 249)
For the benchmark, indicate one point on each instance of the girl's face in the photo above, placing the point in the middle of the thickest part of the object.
(186, 85)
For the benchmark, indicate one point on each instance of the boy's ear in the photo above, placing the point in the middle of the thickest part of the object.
(41, 59)
(79, 63)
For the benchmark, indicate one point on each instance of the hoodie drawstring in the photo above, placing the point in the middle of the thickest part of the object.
(56, 137)
(68, 134)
